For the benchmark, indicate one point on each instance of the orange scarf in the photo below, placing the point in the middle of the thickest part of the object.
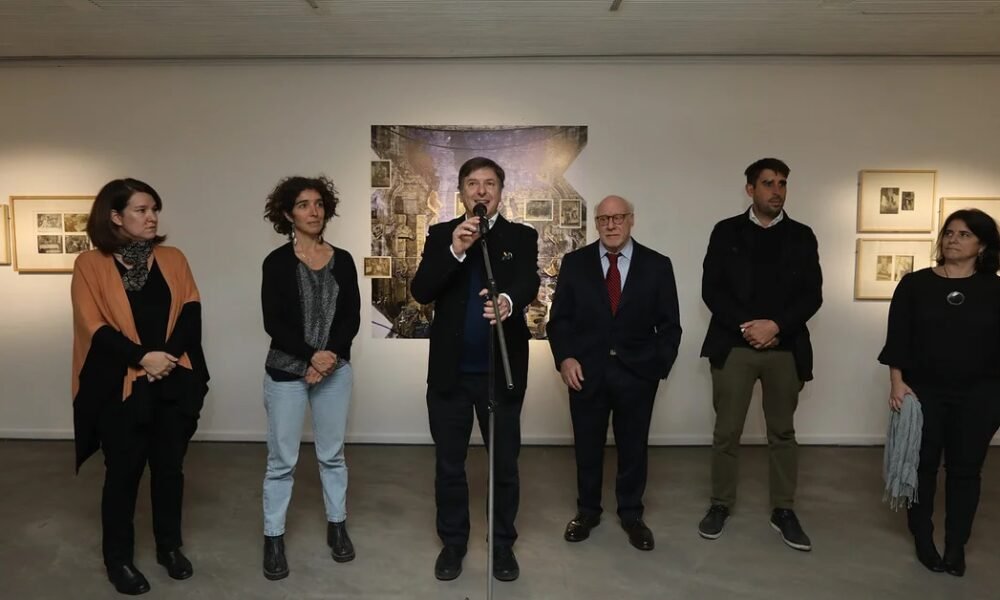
(99, 299)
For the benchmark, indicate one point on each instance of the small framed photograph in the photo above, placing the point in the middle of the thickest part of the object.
(4, 234)
(381, 174)
(49, 232)
(378, 267)
(881, 263)
(990, 206)
(896, 201)
(538, 210)
(570, 214)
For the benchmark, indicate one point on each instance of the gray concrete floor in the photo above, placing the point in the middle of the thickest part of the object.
(50, 524)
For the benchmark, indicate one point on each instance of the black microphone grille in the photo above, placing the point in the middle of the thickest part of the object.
(479, 210)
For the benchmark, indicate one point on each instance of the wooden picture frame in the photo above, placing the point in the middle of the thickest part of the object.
(48, 232)
(988, 205)
(896, 201)
(5, 258)
(880, 264)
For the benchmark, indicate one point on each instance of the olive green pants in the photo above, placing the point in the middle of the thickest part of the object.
(732, 388)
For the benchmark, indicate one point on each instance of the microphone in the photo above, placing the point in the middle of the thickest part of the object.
(479, 210)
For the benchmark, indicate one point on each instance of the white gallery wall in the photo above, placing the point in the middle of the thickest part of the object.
(674, 137)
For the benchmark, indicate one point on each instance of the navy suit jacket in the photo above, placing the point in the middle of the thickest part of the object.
(443, 280)
(645, 332)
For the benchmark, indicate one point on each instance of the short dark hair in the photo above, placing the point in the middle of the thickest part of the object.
(985, 228)
(479, 162)
(282, 199)
(753, 171)
(114, 196)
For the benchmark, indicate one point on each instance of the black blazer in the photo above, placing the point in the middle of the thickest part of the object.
(644, 333)
(727, 289)
(443, 280)
(282, 308)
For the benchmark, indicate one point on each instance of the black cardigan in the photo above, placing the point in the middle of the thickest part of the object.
(282, 308)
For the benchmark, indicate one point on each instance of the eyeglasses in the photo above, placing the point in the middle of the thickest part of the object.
(602, 220)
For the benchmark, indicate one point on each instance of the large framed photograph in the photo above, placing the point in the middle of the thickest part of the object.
(49, 232)
(881, 263)
(896, 201)
(990, 206)
(4, 235)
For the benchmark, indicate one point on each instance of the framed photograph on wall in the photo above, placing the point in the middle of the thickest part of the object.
(4, 235)
(48, 232)
(381, 174)
(538, 210)
(881, 263)
(569, 214)
(896, 201)
(379, 267)
(990, 206)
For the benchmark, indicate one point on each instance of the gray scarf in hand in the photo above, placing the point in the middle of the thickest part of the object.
(902, 454)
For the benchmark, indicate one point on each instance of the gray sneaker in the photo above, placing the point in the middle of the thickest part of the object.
(784, 521)
(711, 526)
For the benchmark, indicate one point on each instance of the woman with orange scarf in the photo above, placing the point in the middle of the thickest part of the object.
(139, 375)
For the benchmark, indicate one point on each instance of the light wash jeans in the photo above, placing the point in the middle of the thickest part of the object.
(286, 402)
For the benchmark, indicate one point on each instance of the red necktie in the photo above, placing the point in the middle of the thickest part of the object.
(614, 282)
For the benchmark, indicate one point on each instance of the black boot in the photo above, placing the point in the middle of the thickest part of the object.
(927, 553)
(339, 542)
(127, 579)
(275, 565)
(178, 566)
(954, 560)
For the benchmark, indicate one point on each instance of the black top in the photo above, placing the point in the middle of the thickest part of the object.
(282, 305)
(150, 308)
(939, 342)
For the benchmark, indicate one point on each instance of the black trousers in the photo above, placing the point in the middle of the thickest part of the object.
(959, 425)
(627, 400)
(450, 416)
(160, 439)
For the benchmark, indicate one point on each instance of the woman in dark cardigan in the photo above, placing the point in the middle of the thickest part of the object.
(139, 375)
(943, 346)
(312, 311)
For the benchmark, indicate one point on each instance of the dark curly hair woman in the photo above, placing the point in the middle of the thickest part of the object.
(312, 311)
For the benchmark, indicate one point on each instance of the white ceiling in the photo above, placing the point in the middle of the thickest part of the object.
(95, 29)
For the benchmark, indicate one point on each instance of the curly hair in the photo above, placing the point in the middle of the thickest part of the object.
(281, 200)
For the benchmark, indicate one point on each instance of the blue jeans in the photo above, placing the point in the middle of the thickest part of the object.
(286, 402)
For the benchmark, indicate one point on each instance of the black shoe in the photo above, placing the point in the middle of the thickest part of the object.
(127, 579)
(579, 528)
(449, 563)
(711, 526)
(505, 566)
(954, 561)
(275, 564)
(928, 555)
(784, 521)
(639, 535)
(339, 542)
(178, 566)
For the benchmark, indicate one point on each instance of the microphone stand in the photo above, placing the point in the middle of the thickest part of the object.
(496, 331)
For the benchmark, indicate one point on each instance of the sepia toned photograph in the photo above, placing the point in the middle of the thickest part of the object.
(378, 267)
(889, 201)
(538, 210)
(896, 201)
(903, 265)
(569, 214)
(381, 174)
(37, 227)
(881, 263)
(906, 203)
(883, 268)
(75, 222)
(49, 222)
(76, 244)
(50, 244)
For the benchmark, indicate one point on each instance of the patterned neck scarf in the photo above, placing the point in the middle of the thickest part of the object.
(136, 256)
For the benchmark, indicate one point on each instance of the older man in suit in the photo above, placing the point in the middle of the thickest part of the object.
(452, 276)
(614, 331)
